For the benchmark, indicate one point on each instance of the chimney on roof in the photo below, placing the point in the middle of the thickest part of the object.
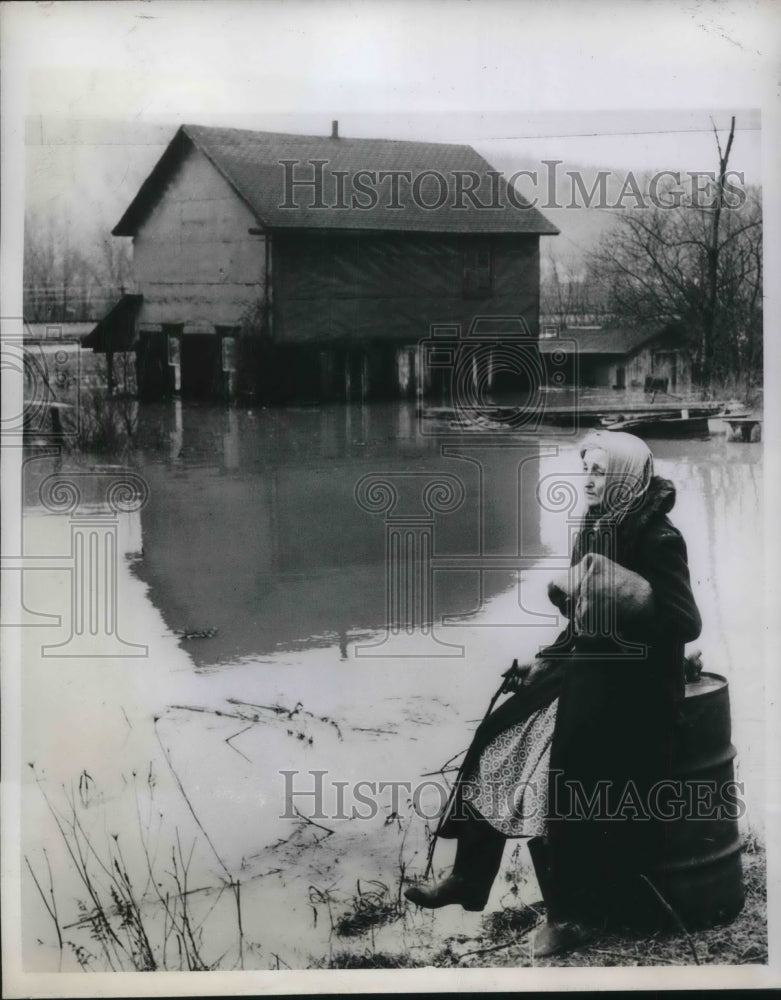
(335, 129)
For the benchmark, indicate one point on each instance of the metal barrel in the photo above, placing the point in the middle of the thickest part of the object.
(700, 873)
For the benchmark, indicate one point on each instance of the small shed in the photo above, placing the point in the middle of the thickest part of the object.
(311, 267)
(640, 357)
(54, 332)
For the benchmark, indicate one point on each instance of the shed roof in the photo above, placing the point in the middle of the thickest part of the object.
(252, 163)
(116, 331)
(55, 331)
(612, 340)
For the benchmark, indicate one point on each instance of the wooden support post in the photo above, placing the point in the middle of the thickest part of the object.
(347, 376)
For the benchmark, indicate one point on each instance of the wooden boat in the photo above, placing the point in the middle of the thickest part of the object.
(656, 425)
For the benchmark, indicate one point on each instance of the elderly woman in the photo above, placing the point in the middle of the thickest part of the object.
(571, 758)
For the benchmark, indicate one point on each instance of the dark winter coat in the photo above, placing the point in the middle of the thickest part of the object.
(616, 717)
(619, 697)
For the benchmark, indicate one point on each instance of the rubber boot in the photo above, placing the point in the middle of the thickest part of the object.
(558, 934)
(478, 857)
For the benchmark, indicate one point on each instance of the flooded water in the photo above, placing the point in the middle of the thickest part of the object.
(371, 581)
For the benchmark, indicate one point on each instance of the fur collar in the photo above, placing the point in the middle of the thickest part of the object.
(659, 501)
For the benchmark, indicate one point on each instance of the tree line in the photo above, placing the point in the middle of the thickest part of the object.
(69, 281)
(695, 265)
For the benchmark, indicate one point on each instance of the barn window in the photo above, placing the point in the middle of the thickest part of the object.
(477, 270)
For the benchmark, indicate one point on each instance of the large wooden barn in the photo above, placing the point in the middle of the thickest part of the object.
(289, 267)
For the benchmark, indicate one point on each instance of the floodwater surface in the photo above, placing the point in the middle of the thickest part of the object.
(321, 592)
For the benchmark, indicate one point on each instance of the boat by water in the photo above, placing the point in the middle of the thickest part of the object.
(660, 425)
(651, 418)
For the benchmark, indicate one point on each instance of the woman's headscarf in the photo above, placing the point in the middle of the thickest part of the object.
(630, 466)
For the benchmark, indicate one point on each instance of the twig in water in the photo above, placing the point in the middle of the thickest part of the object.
(291, 712)
(311, 822)
(229, 738)
(189, 803)
(50, 909)
(210, 711)
(674, 915)
(276, 709)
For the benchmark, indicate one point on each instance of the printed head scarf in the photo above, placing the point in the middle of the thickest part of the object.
(630, 466)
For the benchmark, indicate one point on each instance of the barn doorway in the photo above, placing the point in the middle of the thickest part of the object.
(201, 366)
(153, 373)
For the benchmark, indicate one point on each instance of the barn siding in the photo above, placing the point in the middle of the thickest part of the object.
(331, 287)
(193, 257)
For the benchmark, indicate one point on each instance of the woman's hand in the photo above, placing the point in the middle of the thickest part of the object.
(527, 674)
(515, 678)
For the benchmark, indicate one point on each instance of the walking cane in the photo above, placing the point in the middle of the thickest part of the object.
(502, 689)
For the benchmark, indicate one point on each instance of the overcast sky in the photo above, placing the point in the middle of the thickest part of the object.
(623, 84)
(488, 72)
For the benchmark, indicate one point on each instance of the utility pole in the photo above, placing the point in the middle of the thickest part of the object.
(712, 262)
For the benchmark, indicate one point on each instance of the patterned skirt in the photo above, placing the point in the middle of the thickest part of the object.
(509, 786)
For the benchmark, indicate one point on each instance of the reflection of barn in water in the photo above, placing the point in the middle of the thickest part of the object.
(292, 267)
(252, 525)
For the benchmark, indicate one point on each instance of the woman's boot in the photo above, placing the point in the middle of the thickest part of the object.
(478, 857)
(558, 934)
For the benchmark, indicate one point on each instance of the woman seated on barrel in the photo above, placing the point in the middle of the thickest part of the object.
(569, 760)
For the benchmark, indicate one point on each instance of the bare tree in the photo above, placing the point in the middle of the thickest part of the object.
(571, 291)
(65, 281)
(694, 258)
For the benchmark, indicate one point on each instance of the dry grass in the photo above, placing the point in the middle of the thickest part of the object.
(366, 960)
(741, 942)
(144, 916)
(368, 908)
(505, 935)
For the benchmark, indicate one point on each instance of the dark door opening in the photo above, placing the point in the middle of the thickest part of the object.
(201, 366)
(153, 374)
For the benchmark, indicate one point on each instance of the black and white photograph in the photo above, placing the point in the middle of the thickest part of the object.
(389, 463)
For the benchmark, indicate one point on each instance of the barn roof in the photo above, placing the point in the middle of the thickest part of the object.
(612, 340)
(252, 163)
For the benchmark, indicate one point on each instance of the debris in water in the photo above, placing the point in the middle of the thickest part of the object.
(201, 633)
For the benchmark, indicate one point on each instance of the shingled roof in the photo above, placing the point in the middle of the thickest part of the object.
(252, 163)
(612, 340)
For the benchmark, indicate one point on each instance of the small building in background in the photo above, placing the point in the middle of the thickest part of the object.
(279, 267)
(53, 333)
(644, 358)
